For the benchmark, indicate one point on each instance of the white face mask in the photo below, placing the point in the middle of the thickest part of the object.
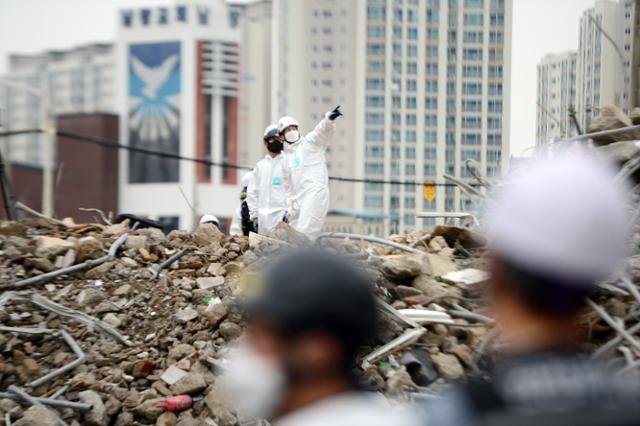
(254, 384)
(292, 136)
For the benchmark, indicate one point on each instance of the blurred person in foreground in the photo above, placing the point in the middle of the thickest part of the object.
(307, 170)
(555, 229)
(241, 223)
(310, 314)
(268, 189)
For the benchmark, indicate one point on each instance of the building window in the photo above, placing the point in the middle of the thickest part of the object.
(410, 136)
(431, 86)
(472, 37)
(495, 72)
(375, 32)
(375, 135)
(412, 68)
(375, 101)
(494, 122)
(471, 139)
(410, 153)
(430, 120)
(411, 102)
(375, 84)
(412, 51)
(429, 170)
(431, 103)
(430, 137)
(431, 68)
(375, 49)
(411, 85)
(432, 51)
(472, 54)
(375, 66)
(374, 168)
(472, 71)
(430, 153)
(473, 19)
(412, 33)
(410, 169)
(496, 37)
(432, 34)
(372, 151)
(471, 122)
(375, 118)
(471, 88)
(373, 201)
(470, 154)
(181, 12)
(471, 105)
(376, 13)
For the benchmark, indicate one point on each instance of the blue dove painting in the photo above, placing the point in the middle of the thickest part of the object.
(154, 110)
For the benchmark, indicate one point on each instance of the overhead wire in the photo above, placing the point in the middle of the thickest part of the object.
(114, 144)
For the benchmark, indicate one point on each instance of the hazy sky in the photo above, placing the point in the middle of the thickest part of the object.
(539, 27)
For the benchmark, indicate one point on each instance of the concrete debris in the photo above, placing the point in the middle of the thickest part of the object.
(173, 296)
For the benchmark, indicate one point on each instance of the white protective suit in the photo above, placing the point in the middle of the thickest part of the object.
(307, 168)
(267, 192)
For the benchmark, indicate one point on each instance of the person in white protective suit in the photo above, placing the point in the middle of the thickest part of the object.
(267, 193)
(307, 170)
(241, 223)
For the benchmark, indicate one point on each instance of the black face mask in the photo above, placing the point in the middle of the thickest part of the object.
(275, 146)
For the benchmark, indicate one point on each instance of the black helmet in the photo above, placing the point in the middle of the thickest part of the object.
(310, 290)
(270, 132)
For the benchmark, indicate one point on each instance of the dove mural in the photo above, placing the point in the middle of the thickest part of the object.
(154, 110)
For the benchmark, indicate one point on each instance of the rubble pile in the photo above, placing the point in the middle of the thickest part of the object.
(133, 330)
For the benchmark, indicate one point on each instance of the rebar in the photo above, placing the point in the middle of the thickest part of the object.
(341, 235)
(33, 401)
(65, 311)
(74, 268)
(55, 373)
(613, 324)
(170, 261)
(614, 342)
(80, 406)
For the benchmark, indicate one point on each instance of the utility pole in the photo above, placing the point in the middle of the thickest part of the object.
(48, 141)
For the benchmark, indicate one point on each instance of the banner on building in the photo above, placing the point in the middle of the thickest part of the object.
(154, 110)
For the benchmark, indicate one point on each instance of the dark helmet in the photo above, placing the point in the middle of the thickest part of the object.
(311, 290)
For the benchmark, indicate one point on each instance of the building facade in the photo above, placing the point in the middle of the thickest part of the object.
(436, 93)
(556, 97)
(424, 87)
(178, 77)
(73, 81)
(599, 72)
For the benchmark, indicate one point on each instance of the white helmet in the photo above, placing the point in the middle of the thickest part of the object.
(562, 216)
(209, 218)
(285, 122)
(246, 179)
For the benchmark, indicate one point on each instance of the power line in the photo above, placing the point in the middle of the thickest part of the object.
(107, 143)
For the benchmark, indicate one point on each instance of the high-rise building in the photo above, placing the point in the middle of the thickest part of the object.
(425, 85)
(600, 73)
(556, 92)
(77, 80)
(436, 93)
